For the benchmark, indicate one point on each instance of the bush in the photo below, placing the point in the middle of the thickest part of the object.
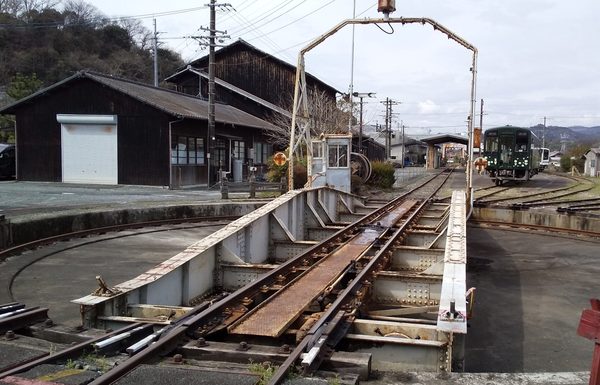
(382, 175)
(275, 172)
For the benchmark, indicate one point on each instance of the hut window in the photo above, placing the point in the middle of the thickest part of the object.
(338, 155)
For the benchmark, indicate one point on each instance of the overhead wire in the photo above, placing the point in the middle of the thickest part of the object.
(253, 24)
(107, 19)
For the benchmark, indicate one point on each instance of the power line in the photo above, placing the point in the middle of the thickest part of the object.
(297, 20)
(103, 19)
(252, 25)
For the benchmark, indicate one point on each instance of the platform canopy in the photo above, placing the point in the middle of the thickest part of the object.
(445, 138)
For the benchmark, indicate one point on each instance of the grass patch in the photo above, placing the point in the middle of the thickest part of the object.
(264, 369)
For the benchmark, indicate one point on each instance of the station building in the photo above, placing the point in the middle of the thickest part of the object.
(99, 129)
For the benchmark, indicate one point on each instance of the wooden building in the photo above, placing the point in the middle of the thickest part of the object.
(94, 128)
(247, 78)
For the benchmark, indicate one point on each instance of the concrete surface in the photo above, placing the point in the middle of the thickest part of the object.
(17, 198)
(160, 375)
(55, 374)
(567, 378)
(11, 353)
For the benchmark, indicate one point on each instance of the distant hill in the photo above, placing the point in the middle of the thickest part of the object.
(574, 135)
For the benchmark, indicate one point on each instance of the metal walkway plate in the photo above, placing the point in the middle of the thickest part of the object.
(275, 315)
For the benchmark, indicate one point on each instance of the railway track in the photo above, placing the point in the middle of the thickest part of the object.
(306, 306)
(525, 200)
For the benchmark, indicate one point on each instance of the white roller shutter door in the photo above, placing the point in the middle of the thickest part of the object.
(89, 148)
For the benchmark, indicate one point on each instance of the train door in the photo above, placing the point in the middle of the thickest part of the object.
(506, 144)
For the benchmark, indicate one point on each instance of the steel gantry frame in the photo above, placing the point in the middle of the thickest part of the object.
(300, 127)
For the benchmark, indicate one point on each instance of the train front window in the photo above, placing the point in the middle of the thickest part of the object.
(522, 140)
(491, 143)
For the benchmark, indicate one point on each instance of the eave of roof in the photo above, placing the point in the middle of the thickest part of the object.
(174, 103)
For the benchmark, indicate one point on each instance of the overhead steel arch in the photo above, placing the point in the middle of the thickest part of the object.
(300, 127)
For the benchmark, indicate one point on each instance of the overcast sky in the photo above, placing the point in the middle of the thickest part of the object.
(536, 57)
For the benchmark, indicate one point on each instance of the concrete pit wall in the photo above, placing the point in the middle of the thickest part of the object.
(23, 230)
(538, 218)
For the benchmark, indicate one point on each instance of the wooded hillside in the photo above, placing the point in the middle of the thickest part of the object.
(54, 39)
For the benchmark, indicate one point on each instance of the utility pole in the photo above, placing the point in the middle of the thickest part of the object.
(544, 134)
(360, 129)
(211, 87)
(403, 143)
(155, 49)
(388, 125)
(481, 117)
(202, 40)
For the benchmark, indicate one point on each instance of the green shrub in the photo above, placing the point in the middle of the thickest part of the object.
(382, 175)
(275, 173)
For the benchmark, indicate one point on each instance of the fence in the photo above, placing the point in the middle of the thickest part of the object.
(404, 174)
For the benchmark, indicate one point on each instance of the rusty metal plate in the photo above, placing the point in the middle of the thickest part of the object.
(275, 315)
(391, 218)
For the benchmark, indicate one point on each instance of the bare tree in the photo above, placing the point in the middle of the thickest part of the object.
(327, 116)
(137, 32)
(81, 12)
(11, 7)
(27, 6)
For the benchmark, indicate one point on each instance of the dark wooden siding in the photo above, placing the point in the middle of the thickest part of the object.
(143, 150)
(253, 71)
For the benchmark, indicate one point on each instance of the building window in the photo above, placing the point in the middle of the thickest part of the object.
(338, 155)
(238, 149)
(593, 163)
(262, 152)
(187, 150)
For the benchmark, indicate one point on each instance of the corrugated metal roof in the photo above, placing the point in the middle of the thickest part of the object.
(171, 102)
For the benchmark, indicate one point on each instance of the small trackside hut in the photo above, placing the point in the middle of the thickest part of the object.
(510, 154)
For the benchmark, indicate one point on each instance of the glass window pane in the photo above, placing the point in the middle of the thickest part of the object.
(343, 156)
(182, 150)
(199, 150)
(333, 154)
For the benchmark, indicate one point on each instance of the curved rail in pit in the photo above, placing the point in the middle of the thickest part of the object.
(105, 229)
(212, 221)
(561, 192)
(223, 313)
